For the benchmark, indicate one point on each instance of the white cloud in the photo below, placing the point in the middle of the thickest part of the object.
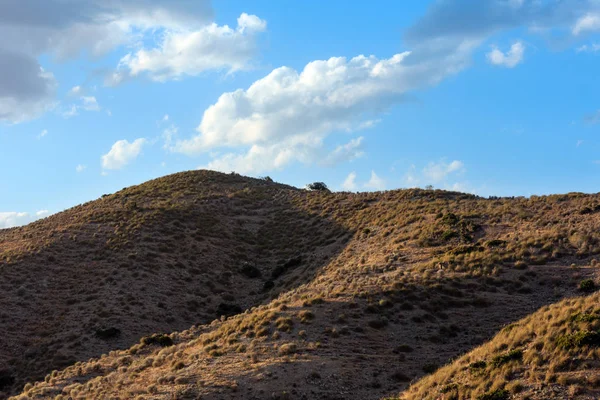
(42, 134)
(261, 158)
(345, 152)
(168, 135)
(89, 103)
(181, 53)
(375, 182)
(76, 91)
(587, 23)
(122, 153)
(188, 43)
(12, 219)
(411, 177)
(287, 115)
(509, 59)
(437, 172)
(166, 118)
(80, 168)
(349, 183)
(589, 48)
(71, 112)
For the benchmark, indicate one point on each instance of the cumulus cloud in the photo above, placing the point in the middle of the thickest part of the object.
(375, 182)
(42, 133)
(76, 91)
(122, 153)
(26, 90)
(510, 59)
(181, 53)
(438, 171)
(63, 29)
(287, 115)
(86, 103)
(588, 23)
(80, 168)
(349, 183)
(12, 219)
(345, 152)
(89, 103)
(188, 43)
(168, 135)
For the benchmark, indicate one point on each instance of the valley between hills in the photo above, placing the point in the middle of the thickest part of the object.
(203, 285)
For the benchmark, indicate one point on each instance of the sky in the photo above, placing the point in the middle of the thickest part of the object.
(494, 97)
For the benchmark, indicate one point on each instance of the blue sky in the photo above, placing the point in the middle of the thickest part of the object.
(496, 97)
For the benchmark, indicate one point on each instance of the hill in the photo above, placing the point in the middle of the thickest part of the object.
(551, 354)
(209, 285)
(159, 257)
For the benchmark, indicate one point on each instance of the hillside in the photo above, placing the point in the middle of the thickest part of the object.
(552, 354)
(158, 257)
(267, 291)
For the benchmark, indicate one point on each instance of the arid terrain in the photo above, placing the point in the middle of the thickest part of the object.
(217, 286)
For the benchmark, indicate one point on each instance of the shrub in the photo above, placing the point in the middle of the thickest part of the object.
(378, 323)
(498, 394)
(584, 317)
(284, 324)
(512, 355)
(430, 368)
(587, 285)
(306, 316)
(108, 333)
(449, 234)
(288, 348)
(403, 348)
(250, 271)
(477, 366)
(579, 339)
(228, 309)
(319, 186)
(159, 339)
(6, 379)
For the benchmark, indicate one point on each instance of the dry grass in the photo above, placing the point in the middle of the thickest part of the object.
(551, 354)
(319, 292)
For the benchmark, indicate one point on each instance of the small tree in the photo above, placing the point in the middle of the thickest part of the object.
(320, 186)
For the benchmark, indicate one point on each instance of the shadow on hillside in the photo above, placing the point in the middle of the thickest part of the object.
(104, 286)
(374, 347)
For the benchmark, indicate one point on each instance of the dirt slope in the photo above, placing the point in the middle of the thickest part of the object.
(369, 291)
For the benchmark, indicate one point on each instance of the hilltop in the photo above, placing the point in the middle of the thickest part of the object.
(210, 285)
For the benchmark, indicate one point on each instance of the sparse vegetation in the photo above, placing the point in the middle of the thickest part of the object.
(263, 283)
